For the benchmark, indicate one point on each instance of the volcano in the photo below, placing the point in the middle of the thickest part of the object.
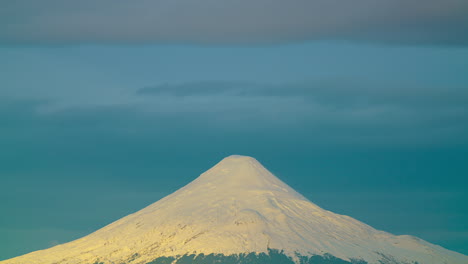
(239, 212)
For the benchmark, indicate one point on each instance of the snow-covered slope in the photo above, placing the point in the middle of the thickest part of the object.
(238, 207)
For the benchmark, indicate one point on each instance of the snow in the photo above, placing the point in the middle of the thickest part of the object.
(238, 206)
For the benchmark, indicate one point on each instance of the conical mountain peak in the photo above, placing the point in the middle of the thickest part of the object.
(238, 159)
(237, 165)
(235, 208)
(237, 173)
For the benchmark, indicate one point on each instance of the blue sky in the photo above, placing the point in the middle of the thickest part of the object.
(368, 123)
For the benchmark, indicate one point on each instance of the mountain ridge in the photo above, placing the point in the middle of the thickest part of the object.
(239, 207)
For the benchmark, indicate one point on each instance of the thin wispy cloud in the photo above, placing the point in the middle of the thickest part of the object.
(233, 22)
(339, 91)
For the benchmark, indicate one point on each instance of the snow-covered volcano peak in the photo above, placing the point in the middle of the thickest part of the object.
(240, 174)
(235, 208)
(236, 162)
(238, 158)
(237, 165)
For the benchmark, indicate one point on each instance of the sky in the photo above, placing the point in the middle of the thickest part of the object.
(106, 108)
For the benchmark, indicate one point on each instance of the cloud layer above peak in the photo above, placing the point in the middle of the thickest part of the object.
(233, 22)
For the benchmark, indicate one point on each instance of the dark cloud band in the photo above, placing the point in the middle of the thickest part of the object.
(331, 92)
(233, 22)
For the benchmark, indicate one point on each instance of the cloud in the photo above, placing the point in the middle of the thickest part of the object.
(364, 112)
(233, 22)
(340, 113)
(336, 92)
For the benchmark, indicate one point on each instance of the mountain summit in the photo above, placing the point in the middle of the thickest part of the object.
(238, 212)
(240, 173)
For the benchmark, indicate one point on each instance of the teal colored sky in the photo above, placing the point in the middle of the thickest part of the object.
(98, 123)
